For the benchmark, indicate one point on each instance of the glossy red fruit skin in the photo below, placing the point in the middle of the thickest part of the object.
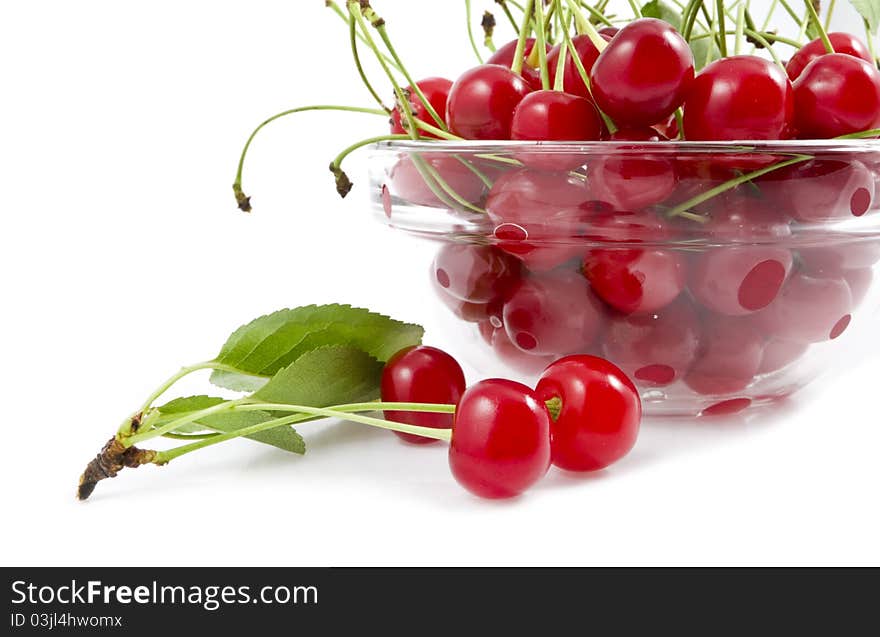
(587, 52)
(638, 134)
(836, 94)
(739, 97)
(554, 116)
(465, 310)
(654, 349)
(808, 310)
(421, 374)
(495, 336)
(436, 91)
(844, 43)
(473, 273)
(504, 56)
(630, 182)
(643, 74)
(636, 280)
(601, 411)
(553, 314)
(536, 212)
(821, 190)
(728, 358)
(482, 100)
(406, 182)
(500, 439)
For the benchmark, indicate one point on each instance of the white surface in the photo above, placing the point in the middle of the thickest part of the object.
(123, 257)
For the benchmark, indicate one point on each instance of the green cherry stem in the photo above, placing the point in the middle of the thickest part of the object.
(869, 37)
(865, 134)
(506, 10)
(585, 27)
(184, 371)
(831, 6)
(343, 183)
(339, 12)
(352, 40)
(597, 15)
(682, 209)
(722, 39)
(563, 23)
(378, 23)
(541, 44)
(740, 27)
(470, 31)
(524, 30)
(811, 10)
(244, 202)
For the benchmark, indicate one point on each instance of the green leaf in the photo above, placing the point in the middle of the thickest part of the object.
(870, 11)
(270, 343)
(284, 437)
(328, 375)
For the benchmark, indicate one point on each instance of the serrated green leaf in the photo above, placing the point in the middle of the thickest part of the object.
(328, 375)
(270, 343)
(870, 11)
(285, 438)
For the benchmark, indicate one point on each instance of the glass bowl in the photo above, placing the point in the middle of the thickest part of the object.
(719, 276)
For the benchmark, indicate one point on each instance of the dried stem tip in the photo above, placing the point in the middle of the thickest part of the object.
(114, 457)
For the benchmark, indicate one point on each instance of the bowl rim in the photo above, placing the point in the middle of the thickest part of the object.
(669, 146)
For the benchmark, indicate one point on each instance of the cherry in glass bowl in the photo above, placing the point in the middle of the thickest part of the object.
(719, 276)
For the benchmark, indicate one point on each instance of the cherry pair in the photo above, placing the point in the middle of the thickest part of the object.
(583, 415)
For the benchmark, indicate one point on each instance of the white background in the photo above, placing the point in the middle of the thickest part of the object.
(123, 257)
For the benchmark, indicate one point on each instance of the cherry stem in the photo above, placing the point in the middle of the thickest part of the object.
(470, 31)
(829, 48)
(541, 44)
(722, 40)
(831, 6)
(740, 26)
(435, 175)
(760, 38)
(869, 36)
(637, 13)
(507, 12)
(679, 121)
(559, 82)
(344, 18)
(874, 132)
(352, 33)
(524, 30)
(585, 27)
(598, 15)
(244, 202)
(343, 183)
(585, 77)
(689, 18)
(682, 208)
(488, 25)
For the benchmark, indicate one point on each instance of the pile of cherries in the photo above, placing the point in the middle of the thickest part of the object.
(583, 415)
(581, 253)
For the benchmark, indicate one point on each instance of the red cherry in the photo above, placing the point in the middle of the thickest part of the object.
(504, 56)
(841, 43)
(421, 375)
(482, 101)
(477, 274)
(741, 279)
(436, 91)
(572, 82)
(598, 422)
(609, 31)
(655, 349)
(822, 189)
(642, 75)
(808, 310)
(504, 350)
(465, 310)
(635, 280)
(532, 210)
(630, 182)
(500, 439)
(553, 314)
(728, 357)
(837, 260)
(739, 97)
(554, 116)
(837, 94)
(779, 354)
(859, 282)
(407, 182)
